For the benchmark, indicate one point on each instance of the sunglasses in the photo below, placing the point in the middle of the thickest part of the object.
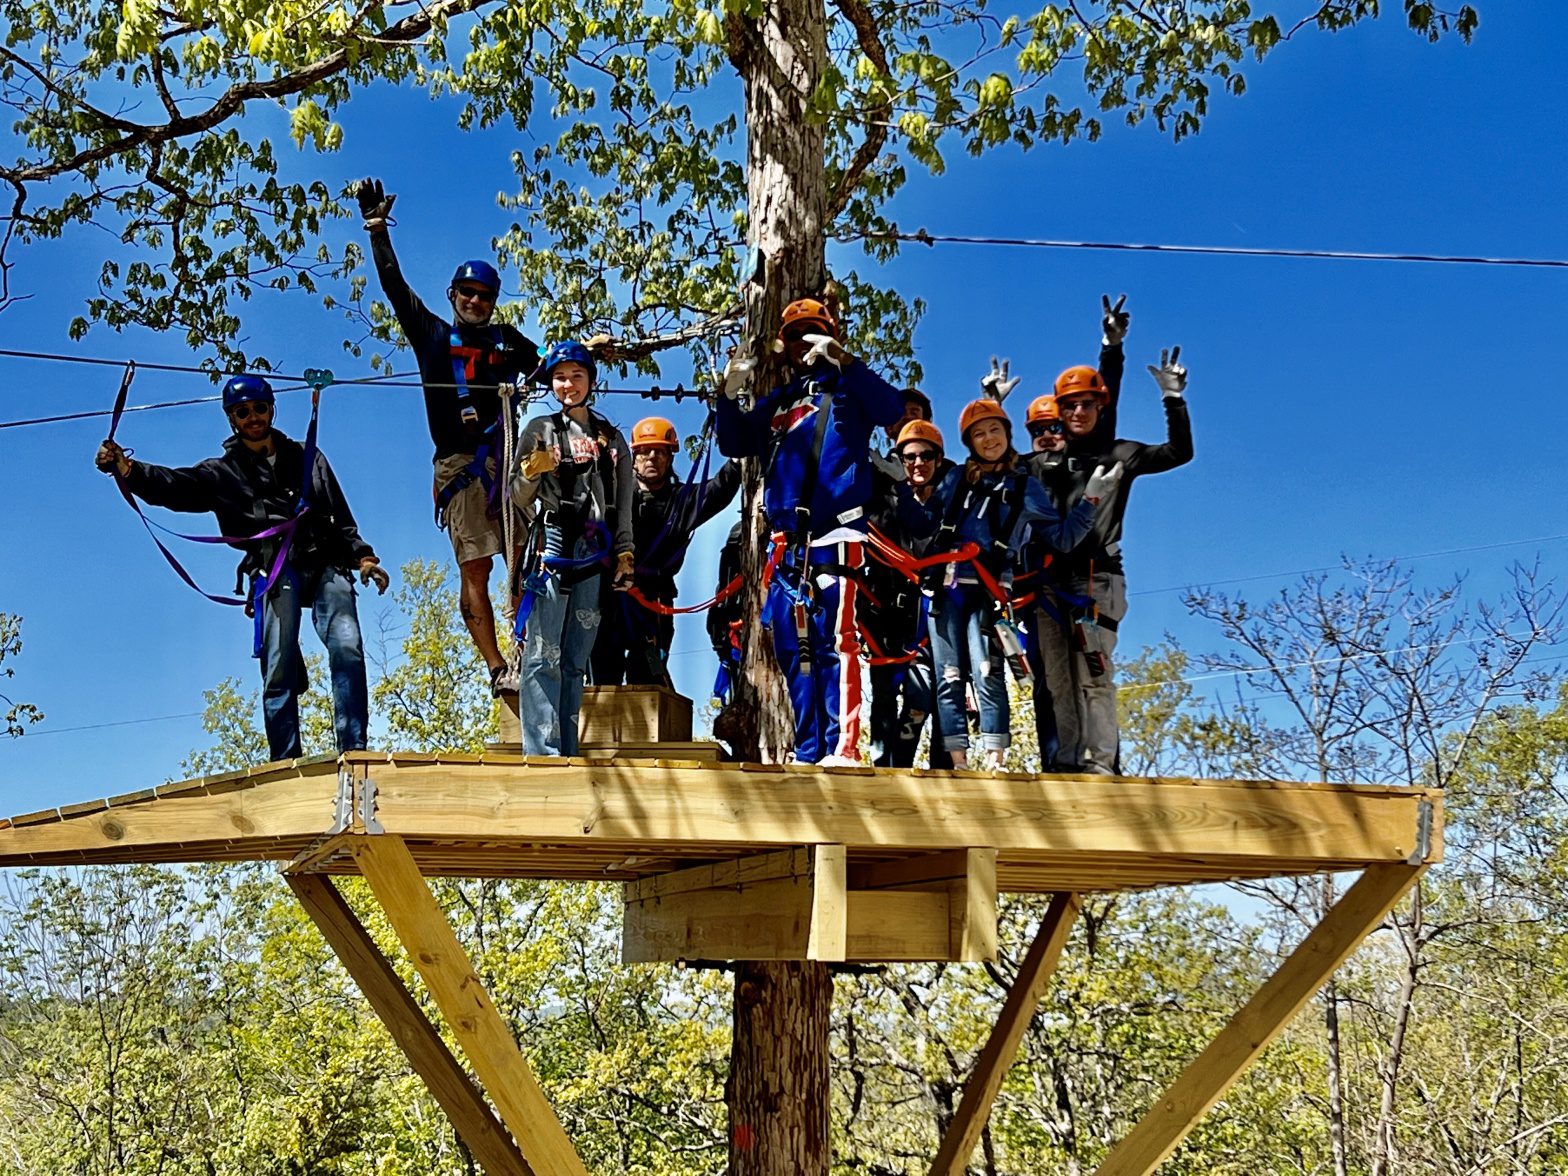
(1083, 405)
(246, 408)
(475, 293)
(915, 455)
(1047, 428)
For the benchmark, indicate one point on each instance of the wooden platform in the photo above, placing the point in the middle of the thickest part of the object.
(501, 815)
(742, 861)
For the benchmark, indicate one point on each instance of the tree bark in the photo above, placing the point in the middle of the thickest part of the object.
(780, 59)
(777, 1091)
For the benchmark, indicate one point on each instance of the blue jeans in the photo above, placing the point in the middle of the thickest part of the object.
(329, 594)
(961, 647)
(556, 645)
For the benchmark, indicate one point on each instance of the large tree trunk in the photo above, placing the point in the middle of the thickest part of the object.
(778, 1085)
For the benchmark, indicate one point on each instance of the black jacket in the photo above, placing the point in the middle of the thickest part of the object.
(248, 494)
(664, 520)
(492, 354)
(1065, 474)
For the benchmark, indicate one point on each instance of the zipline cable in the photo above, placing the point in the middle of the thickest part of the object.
(921, 237)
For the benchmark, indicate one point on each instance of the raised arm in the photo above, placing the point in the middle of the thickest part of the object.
(413, 315)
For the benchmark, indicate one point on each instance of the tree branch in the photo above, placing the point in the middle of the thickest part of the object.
(870, 38)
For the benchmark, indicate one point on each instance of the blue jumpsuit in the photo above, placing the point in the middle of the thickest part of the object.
(815, 503)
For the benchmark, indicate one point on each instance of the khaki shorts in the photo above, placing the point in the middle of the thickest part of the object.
(474, 534)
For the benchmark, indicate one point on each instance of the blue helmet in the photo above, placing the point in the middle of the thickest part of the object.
(481, 273)
(242, 388)
(568, 351)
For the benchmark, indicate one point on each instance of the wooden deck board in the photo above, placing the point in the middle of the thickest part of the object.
(507, 815)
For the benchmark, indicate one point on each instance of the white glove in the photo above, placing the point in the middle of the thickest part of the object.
(737, 374)
(1103, 483)
(890, 466)
(1114, 320)
(824, 347)
(1170, 375)
(996, 385)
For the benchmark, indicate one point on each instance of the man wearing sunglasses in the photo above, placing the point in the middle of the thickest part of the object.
(460, 364)
(253, 488)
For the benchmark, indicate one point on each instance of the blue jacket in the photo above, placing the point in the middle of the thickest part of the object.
(857, 402)
(983, 507)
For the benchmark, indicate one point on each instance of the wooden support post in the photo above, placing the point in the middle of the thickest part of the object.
(433, 946)
(1205, 1081)
(974, 1109)
(448, 1082)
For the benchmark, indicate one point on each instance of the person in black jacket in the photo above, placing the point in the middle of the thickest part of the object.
(1084, 597)
(633, 645)
(460, 364)
(254, 490)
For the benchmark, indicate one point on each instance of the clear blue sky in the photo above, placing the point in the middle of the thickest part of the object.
(1339, 407)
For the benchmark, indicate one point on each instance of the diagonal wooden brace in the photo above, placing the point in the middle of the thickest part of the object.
(1204, 1082)
(952, 1159)
(432, 945)
(448, 1082)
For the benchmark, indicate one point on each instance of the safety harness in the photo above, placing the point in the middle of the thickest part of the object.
(263, 582)
(465, 360)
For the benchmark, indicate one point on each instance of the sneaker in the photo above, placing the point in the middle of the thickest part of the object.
(503, 680)
(839, 761)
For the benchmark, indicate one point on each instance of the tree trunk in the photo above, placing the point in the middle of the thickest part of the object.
(1336, 1086)
(777, 1091)
(780, 60)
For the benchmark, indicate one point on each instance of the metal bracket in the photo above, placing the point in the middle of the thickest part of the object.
(367, 806)
(343, 806)
(1423, 834)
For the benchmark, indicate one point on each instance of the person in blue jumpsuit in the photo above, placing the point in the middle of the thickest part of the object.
(817, 427)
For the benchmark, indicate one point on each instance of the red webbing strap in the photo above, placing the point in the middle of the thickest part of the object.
(670, 610)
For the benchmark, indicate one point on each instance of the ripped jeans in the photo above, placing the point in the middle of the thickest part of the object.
(556, 646)
(961, 616)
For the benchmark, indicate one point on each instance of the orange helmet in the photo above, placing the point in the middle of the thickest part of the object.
(984, 409)
(1077, 380)
(1043, 408)
(920, 431)
(809, 315)
(654, 431)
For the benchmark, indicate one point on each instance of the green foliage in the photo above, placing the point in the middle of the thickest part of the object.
(435, 697)
(631, 204)
(18, 716)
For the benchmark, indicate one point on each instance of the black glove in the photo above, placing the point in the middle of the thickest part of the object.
(374, 203)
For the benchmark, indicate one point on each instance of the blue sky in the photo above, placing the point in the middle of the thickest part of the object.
(1338, 407)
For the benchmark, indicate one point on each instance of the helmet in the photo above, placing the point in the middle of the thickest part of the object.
(481, 273)
(651, 432)
(568, 351)
(1043, 408)
(1077, 380)
(919, 431)
(984, 409)
(242, 388)
(807, 313)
